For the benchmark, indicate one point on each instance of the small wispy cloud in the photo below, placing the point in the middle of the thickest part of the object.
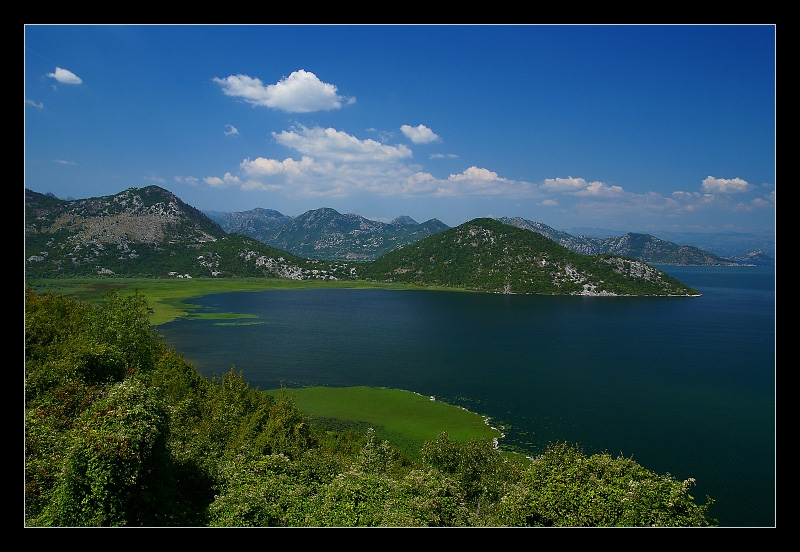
(65, 76)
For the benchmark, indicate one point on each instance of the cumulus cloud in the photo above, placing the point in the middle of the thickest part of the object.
(419, 134)
(483, 182)
(224, 182)
(713, 185)
(300, 92)
(263, 167)
(65, 76)
(231, 130)
(335, 163)
(565, 185)
(338, 146)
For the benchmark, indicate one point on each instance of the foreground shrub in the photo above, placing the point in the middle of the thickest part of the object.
(564, 487)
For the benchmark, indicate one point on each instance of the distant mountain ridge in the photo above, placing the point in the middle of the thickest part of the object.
(643, 247)
(327, 234)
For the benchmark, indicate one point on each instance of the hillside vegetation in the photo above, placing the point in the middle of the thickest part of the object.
(488, 255)
(121, 431)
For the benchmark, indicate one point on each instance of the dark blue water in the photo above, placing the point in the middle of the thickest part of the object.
(685, 386)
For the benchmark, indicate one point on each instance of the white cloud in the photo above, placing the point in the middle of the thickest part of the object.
(580, 187)
(262, 167)
(480, 181)
(565, 185)
(334, 145)
(64, 76)
(224, 182)
(420, 134)
(599, 189)
(231, 130)
(725, 185)
(300, 92)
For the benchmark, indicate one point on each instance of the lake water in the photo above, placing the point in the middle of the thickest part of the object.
(684, 386)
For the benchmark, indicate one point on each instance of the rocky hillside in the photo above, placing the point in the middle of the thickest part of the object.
(147, 232)
(327, 234)
(643, 247)
(488, 255)
(258, 223)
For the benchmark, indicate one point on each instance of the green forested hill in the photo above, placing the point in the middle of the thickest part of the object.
(488, 255)
(121, 431)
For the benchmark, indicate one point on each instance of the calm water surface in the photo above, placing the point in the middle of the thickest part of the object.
(685, 386)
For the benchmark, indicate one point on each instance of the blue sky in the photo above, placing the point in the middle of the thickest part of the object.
(641, 128)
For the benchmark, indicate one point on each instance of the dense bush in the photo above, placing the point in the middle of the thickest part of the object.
(120, 430)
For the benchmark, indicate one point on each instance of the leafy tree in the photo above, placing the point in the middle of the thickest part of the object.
(112, 473)
(564, 487)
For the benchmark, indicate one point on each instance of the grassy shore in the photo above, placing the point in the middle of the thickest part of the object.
(404, 418)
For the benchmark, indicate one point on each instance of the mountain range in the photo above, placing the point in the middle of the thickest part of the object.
(150, 232)
(327, 234)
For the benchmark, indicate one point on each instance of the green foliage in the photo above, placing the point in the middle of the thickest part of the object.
(564, 487)
(488, 255)
(119, 430)
(477, 467)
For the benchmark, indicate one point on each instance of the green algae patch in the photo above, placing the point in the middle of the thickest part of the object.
(405, 418)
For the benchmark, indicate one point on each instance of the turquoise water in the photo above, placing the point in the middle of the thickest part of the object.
(685, 386)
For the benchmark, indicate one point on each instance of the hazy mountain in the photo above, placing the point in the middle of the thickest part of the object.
(256, 223)
(327, 234)
(643, 247)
